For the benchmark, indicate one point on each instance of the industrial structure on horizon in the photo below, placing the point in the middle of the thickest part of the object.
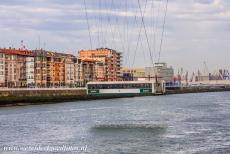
(159, 71)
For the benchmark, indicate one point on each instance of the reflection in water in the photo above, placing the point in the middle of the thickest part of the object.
(130, 125)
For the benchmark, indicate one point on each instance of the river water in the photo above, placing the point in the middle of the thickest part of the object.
(186, 123)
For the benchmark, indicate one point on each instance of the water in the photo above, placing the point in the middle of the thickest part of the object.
(187, 123)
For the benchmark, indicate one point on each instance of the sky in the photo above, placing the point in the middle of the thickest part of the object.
(195, 31)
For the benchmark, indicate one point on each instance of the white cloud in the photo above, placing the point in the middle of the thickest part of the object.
(196, 30)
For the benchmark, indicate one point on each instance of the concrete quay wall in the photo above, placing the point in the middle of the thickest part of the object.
(11, 97)
(198, 89)
(39, 96)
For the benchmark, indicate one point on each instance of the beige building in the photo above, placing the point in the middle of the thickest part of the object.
(137, 74)
(15, 66)
(88, 70)
(69, 70)
(2, 70)
(160, 71)
(78, 72)
(100, 71)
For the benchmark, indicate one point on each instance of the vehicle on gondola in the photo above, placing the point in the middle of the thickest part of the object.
(126, 88)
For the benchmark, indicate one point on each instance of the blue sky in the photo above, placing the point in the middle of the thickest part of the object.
(195, 30)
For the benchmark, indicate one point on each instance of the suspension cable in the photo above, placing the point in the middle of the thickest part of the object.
(139, 35)
(87, 18)
(146, 35)
(162, 34)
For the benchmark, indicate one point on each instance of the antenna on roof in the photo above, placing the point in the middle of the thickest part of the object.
(23, 47)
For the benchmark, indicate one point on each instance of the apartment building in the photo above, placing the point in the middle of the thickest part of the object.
(40, 68)
(88, 70)
(40, 63)
(15, 66)
(69, 70)
(78, 72)
(100, 71)
(111, 60)
(2, 70)
(30, 71)
(60, 69)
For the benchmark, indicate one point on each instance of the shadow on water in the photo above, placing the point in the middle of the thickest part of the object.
(130, 126)
(128, 136)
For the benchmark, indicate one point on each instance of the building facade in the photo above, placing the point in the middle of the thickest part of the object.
(78, 73)
(40, 68)
(30, 71)
(111, 60)
(133, 74)
(15, 66)
(100, 71)
(55, 69)
(2, 70)
(159, 71)
(69, 71)
(40, 63)
(88, 70)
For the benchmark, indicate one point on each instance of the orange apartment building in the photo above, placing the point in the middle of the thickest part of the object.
(108, 60)
(55, 70)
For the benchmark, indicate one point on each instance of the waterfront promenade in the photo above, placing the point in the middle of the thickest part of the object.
(27, 96)
(41, 89)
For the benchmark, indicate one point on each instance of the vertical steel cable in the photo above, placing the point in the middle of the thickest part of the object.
(87, 18)
(139, 36)
(162, 34)
(146, 35)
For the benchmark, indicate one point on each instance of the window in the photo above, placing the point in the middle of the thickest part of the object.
(120, 86)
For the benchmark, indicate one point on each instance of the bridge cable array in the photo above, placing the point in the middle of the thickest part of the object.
(128, 26)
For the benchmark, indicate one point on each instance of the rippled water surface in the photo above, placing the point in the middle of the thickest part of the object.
(187, 123)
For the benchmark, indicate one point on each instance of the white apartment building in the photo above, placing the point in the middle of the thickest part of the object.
(78, 72)
(69, 73)
(30, 71)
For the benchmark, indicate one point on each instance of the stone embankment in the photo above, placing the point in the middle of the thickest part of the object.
(39, 96)
(11, 97)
